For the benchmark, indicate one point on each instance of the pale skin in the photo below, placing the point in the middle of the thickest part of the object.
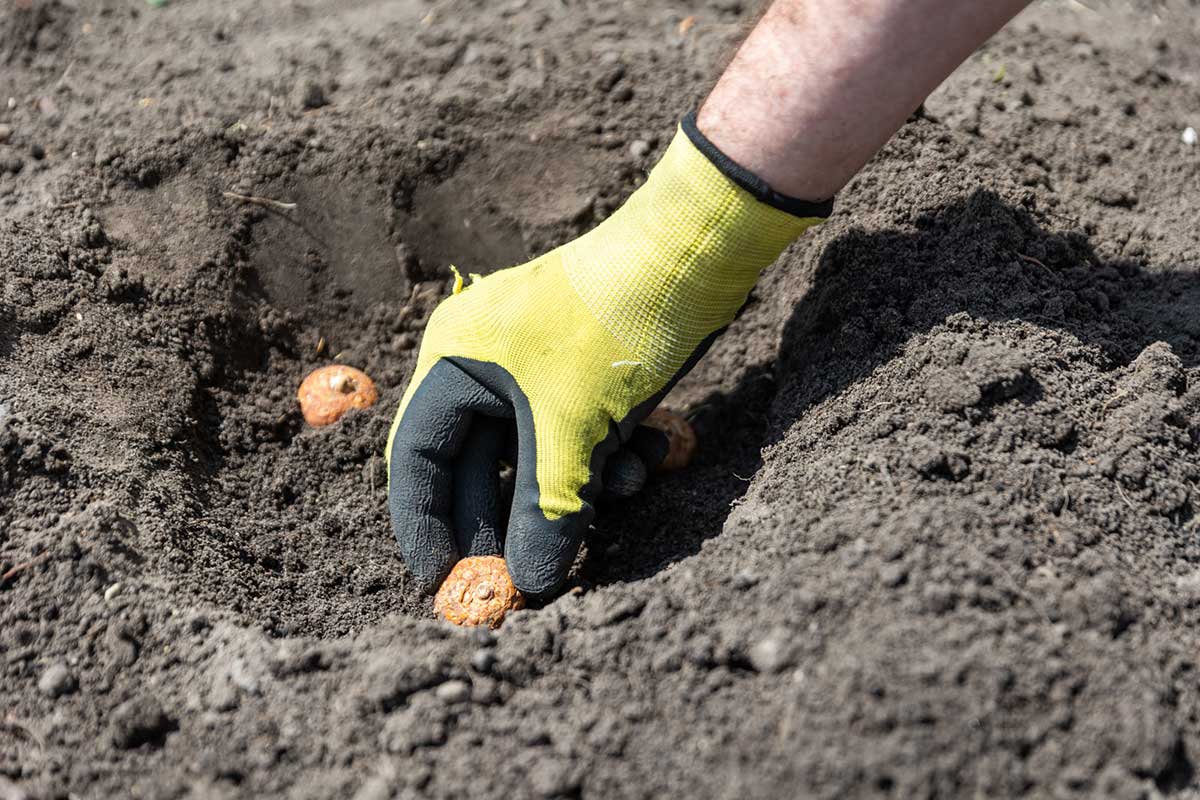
(820, 85)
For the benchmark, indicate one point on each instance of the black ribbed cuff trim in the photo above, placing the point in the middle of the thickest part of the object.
(749, 181)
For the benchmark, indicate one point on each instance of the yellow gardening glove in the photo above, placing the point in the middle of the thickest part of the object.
(573, 350)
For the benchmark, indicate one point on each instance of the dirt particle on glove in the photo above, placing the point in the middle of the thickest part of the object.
(680, 434)
(478, 591)
(329, 392)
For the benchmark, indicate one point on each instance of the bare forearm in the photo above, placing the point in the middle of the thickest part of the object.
(820, 85)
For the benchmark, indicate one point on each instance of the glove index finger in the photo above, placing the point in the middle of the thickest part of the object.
(477, 492)
(541, 546)
(421, 472)
(552, 503)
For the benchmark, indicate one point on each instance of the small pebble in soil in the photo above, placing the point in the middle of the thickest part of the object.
(622, 94)
(453, 692)
(639, 148)
(483, 661)
(610, 77)
(311, 94)
(893, 575)
(56, 681)
(769, 655)
(744, 579)
(1189, 136)
(5, 133)
(139, 720)
(112, 591)
(551, 777)
(223, 695)
(485, 692)
(577, 209)
(377, 787)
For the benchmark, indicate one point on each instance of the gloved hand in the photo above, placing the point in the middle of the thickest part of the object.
(573, 349)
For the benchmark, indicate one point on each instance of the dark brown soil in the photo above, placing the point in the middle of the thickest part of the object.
(941, 537)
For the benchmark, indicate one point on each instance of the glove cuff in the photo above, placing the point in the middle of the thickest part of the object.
(747, 180)
(674, 264)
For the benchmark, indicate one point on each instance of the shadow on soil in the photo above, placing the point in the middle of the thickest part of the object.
(873, 291)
